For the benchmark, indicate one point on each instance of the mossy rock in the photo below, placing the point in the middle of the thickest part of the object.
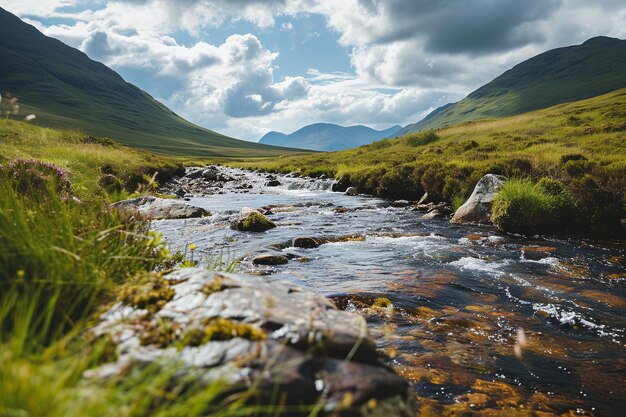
(253, 221)
(222, 329)
(148, 291)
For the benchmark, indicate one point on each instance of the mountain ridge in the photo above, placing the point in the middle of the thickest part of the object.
(560, 75)
(328, 136)
(63, 87)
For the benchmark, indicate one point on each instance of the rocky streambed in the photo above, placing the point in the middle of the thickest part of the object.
(479, 323)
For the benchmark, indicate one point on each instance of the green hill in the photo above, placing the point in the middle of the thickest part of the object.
(66, 89)
(561, 75)
(580, 144)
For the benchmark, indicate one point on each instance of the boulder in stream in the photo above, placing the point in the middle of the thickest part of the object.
(477, 209)
(154, 208)
(251, 220)
(276, 336)
(270, 259)
(352, 191)
(305, 243)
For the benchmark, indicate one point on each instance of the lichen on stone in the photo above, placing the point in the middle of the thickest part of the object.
(215, 285)
(161, 333)
(148, 291)
(221, 329)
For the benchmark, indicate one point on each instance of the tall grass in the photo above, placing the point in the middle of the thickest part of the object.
(61, 262)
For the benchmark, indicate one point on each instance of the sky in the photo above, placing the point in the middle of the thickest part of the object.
(245, 67)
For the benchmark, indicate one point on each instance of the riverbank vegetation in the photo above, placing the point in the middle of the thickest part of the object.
(65, 256)
(581, 146)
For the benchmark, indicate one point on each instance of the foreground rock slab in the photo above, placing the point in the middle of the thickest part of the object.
(274, 334)
(477, 208)
(154, 208)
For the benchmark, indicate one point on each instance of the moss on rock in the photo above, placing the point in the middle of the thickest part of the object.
(147, 290)
(221, 329)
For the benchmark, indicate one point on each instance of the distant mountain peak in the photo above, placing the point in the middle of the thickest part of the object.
(603, 40)
(328, 136)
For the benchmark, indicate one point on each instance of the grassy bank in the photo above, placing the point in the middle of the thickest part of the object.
(580, 144)
(64, 256)
(87, 159)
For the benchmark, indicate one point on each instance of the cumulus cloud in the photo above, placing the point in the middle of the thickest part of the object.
(407, 56)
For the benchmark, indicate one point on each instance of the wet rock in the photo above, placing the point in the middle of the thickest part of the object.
(352, 191)
(160, 208)
(194, 173)
(305, 243)
(210, 174)
(273, 183)
(290, 341)
(477, 209)
(423, 199)
(399, 203)
(251, 220)
(341, 186)
(340, 209)
(437, 211)
(269, 259)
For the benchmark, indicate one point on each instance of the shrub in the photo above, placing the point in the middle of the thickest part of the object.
(398, 183)
(420, 139)
(578, 168)
(32, 177)
(110, 183)
(380, 144)
(572, 157)
(526, 208)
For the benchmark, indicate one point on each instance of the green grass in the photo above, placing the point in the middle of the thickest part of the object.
(524, 207)
(561, 75)
(66, 89)
(62, 262)
(539, 144)
(85, 158)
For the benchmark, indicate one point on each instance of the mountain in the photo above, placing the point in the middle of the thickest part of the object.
(560, 75)
(64, 88)
(328, 137)
(415, 127)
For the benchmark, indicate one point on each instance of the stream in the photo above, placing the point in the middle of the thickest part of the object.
(476, 319)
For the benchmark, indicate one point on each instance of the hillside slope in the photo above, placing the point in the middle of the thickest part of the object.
(64, 88)
(580, 144)
(561, 75)
(328, 137)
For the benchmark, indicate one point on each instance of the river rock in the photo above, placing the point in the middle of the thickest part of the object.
(477, 209)
(305, 243)
(399, 203)
(340, 186)
(272, 183)
(154, 208)
(252, 220)
(193, 173)
(210, 174)
(294, 345)
(352, 191)
(270, 259)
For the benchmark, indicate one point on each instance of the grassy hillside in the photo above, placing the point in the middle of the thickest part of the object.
(66, 89)
(85, 158)
(582, 144)
(561, 75)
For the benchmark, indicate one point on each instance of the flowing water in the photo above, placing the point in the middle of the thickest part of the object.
(478, 320)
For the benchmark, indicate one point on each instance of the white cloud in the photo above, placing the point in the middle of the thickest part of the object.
(408, 56)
